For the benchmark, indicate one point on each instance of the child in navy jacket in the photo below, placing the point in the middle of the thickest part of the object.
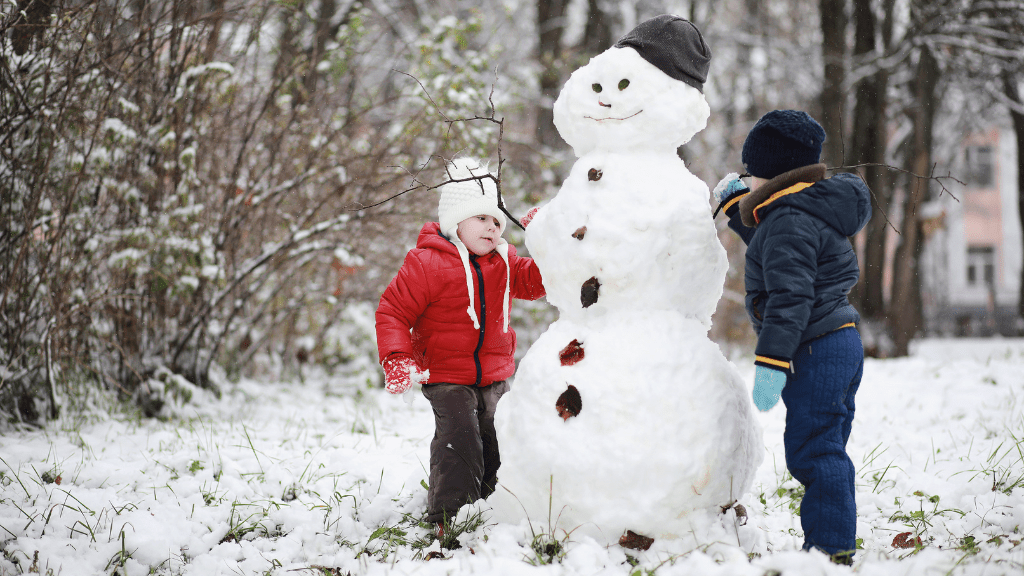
(800, 266)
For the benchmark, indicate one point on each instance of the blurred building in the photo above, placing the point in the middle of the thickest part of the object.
(971, 267)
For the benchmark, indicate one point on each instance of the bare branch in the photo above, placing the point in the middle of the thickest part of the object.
(1003, 99)
(425, 92)
(450, 122)
(938, 179)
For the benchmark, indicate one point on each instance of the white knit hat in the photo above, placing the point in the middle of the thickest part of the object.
(461, 200)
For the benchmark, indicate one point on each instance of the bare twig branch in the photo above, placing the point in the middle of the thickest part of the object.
(425, 92)
(451, 123)
(938, 179)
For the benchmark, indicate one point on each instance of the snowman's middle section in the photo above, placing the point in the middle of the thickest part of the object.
(629, 231)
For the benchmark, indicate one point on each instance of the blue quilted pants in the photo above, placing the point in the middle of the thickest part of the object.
(819, 416)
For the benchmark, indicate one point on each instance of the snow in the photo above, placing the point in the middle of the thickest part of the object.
(326, 473)
(670, 111)
(664, 429)
(200, 70)
(346, 257)
(124, 257)
(632, 221)
(642, 236)
(305, 474)
(118, 127)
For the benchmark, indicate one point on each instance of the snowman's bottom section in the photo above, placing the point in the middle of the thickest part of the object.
(665, 428)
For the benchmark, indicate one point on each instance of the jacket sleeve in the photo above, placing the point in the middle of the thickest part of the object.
(790, 266)
(402, 303)
(526, 283)
(736, 222)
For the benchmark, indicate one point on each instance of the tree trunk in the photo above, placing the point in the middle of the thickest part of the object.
(905, 308)
(868, 145)
(833, 48)
(32, 21)
(216, 17)
(287, 50)
(1011, 87)
(550, 27)
(319, 48)
(597, 34)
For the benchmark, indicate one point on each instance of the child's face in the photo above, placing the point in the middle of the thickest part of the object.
(480, 233)
(756, 182)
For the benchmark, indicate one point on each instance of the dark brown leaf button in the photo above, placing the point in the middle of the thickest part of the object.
(588, 293)
(570, 403)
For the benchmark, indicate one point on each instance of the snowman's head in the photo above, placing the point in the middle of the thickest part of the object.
(621, 102)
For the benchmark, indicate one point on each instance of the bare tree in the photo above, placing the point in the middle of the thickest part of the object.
(597, 33)
(551, 28)
(869, 142)
(1009, 19)
(833, 95)
(905, 307)
(1015, 104)
(895, 68)
(981, 45)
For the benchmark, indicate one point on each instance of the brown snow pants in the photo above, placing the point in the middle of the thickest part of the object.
(464, 456)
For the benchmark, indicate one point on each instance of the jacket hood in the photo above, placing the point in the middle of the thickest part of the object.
(842, 201)
(431, 237)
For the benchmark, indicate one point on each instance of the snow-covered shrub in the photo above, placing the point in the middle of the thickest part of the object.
(182, 187)
(349, 346)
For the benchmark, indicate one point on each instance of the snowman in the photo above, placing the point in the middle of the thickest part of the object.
(623, 415)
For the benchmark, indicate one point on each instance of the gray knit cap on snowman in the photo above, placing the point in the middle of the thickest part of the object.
(472, 192)
(674, 45)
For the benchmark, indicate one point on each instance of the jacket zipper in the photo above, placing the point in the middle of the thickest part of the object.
(483, 318)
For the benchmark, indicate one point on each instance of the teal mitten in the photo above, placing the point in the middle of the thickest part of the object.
(728, 189)
(768, 385)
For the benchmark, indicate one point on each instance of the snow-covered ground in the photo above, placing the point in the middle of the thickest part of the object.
(326, 477)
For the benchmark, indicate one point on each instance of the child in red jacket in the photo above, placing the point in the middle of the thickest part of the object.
(443, 322)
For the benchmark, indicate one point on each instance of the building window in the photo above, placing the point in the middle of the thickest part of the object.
(980, 166)
(981, 266)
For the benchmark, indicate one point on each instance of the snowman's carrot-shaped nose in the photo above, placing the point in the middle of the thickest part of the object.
(603, 104)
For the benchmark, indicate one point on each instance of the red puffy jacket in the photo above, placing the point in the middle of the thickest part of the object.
(429, 297)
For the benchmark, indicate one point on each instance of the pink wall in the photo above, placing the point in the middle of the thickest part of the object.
(982, 216)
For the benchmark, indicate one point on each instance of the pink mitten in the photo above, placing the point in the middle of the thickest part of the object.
(401, 372)
(525, 220)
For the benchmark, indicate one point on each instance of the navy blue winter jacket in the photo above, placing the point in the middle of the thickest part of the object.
(800, 264)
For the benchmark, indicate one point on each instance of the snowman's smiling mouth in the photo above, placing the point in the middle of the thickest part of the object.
(612, 118)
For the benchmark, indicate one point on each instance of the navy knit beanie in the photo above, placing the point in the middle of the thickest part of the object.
(674, 45)
(782, 140)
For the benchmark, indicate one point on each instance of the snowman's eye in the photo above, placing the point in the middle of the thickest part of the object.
(596, 87)
(623, 83)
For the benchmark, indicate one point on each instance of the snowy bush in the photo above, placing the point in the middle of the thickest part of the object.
(182, 184)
